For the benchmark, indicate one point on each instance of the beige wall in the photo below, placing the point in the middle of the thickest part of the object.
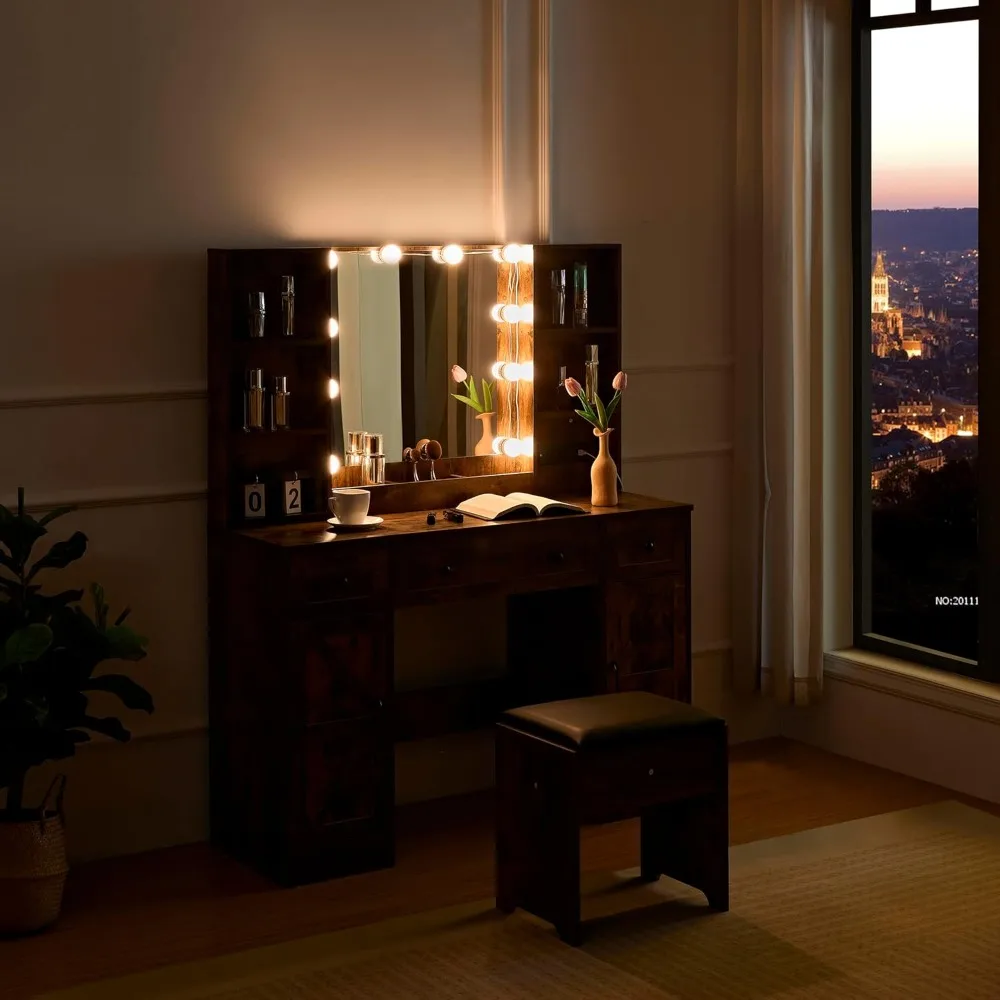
(138, 134)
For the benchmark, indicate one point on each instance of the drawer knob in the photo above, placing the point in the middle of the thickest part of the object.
(448, 570)
(345, 581)
(651, 772)
(559, 556)
(650, 546)
(534, 785)
(614, 666)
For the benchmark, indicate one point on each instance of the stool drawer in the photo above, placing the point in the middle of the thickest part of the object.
(620, 782)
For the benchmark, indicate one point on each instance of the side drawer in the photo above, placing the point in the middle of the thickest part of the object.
(652, 540)
(331, 573)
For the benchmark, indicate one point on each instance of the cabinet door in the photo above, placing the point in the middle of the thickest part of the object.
(347, 665)
(646, 624)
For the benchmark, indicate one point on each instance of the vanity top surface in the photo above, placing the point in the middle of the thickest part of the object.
(415, 522)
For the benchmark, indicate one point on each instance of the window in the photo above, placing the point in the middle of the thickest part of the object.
(917, 315)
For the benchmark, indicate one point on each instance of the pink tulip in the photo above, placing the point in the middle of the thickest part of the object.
(619, 382)
(458, 373)
(573, 387)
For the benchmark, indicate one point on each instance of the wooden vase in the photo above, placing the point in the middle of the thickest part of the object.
(485, 444)
(603, 474)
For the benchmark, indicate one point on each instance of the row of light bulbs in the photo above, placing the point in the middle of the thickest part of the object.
(450, 253)
(513, 371)
(513, 447)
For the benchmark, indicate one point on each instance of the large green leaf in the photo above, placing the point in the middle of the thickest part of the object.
(467, 401)
(602, 416)
(613, 405)
(125, 644)
(487, 397)
(588, 416)
(61, 554)
(473, 393)
(132, 695)
(27, 644)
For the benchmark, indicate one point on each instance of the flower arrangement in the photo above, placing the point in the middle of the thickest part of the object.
(597, 413)
(480, 401)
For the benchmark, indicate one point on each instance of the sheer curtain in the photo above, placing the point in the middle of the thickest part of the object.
(792, 338)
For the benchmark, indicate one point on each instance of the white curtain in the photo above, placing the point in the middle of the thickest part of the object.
(792, 338)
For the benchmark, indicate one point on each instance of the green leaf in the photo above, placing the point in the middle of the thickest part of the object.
(132, 695)
(53, 514)
(27, 644)
(589, 416)
(602, 416)
(124, 644)
(109, 727)
(61, 554)
(613, 405)
(473, 393)
(487, 397)
(467, 401)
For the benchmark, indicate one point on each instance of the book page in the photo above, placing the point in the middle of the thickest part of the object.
(540, 503)
(486, 506)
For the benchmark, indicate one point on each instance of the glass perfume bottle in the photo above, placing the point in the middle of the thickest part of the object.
(580, 295)
(288, 305)
(559, 297)
(255, 400)
(257, 313)
(280, 400)
(590, 373)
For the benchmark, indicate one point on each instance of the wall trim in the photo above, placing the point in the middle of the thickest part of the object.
(714, 451)
(676, 367)
(128, 497)
(499, 117)
(543, 89)
(101, 397)
(935, 688)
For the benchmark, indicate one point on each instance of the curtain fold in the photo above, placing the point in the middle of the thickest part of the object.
(792, 273)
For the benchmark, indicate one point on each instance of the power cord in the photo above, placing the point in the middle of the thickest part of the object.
(580, 453)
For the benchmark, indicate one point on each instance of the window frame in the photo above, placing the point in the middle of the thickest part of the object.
(863, 24)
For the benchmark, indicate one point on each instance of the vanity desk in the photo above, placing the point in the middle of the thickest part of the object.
(304, 703)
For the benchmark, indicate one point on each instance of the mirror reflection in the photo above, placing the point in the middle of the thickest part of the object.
(419, 338)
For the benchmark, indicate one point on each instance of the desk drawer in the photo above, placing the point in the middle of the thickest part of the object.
(647, 541)
(505, 554)
(358, 569)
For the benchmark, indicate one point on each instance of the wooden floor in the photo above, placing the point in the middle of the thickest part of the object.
(135, 913)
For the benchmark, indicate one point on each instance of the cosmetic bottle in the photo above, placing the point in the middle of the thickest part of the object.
(559, 297)
(255, 400)
(280, 400)
(580, 295)
(256, 318)
(590, 373)
(287, 305)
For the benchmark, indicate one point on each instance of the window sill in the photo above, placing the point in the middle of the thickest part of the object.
(885, 674)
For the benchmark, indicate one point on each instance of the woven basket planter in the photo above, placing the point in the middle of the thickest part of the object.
(33, 869)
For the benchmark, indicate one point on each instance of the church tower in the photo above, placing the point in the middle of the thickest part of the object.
(880, 286)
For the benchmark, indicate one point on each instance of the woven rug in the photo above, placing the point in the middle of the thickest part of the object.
(903, 906)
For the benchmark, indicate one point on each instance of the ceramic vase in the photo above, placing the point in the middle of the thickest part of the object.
(485, 444)
(603, 474)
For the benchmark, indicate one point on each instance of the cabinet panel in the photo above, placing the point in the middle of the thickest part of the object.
(347, 665)
(646, 635)
(348, 773)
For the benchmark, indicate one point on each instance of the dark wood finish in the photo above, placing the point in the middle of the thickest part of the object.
(677, 783)
(307, 714)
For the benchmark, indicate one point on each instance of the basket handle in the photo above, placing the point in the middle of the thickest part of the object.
(54, 796)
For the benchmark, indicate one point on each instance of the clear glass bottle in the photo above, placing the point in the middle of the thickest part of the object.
(580, 295)
(559, 297)
(280, 401)
(255, 400)
(288, 305)
(257, 313)
(590, 373)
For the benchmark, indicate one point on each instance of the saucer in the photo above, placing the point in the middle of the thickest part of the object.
(366, 525)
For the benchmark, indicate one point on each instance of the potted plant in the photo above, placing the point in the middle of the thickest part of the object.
(481, 402)
(604, 472)
(50, 649)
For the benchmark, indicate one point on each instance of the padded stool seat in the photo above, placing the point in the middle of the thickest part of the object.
(564, 764)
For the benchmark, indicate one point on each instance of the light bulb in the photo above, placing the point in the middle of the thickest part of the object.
(332, 259)
(511, 447)
(527, 372)
(527, 254)
(436, 255)
(528, 445)
(496, 255)
(332, 327)
(496, 369)
(334, 388)
(389, 254)
(334, 464)
(495, 312)
(511, 253)
(497, 442)
(527, 313)
(452, 254)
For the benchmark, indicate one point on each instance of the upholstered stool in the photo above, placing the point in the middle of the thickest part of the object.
(595, 760)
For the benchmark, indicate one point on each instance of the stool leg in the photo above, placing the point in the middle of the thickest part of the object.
(689, 841)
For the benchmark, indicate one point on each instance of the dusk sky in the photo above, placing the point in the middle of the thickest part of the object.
(925, 116)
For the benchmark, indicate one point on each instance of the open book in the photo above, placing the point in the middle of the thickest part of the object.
(493, 507)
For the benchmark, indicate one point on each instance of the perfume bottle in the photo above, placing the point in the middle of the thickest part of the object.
(355, 449)
(255, 400)
(579, 294)
(280, 400)
(257, 311)
(373, 458)
(288, 305)
(559, 297)
(590, 373)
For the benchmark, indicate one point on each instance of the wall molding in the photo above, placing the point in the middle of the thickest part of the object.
(128, 497)
(714, 451)
(498, 88)
(935, 688)
(103, 397)
(678, 367)
(543, 138)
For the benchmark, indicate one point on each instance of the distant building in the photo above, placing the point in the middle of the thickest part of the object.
(887, 323)
(900, 447)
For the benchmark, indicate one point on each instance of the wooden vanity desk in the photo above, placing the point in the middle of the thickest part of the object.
(303, 701)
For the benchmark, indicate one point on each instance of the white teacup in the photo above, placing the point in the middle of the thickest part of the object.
(349, 505)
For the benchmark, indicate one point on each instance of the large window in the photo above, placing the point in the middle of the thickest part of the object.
(917, 310)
